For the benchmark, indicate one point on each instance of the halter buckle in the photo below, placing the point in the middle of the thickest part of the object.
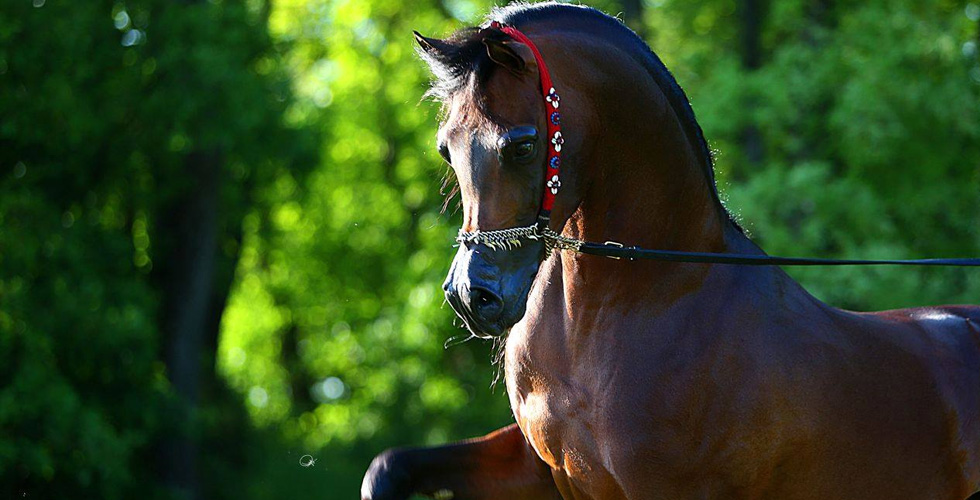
(614, 244)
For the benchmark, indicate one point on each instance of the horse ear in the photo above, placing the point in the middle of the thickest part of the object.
(514, 56)
(431, 46)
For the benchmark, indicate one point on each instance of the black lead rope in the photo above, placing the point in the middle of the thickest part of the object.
(500, 239)
(617, 251)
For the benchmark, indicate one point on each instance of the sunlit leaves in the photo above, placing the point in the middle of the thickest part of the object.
(869, 122)
(352, 259)
(868, 114)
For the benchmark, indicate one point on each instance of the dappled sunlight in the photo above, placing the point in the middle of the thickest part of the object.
(337, 316)
(222, 241)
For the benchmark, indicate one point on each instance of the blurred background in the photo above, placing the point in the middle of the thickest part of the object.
(220, 233)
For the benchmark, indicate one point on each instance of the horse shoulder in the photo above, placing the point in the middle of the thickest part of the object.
(923, 365)
(954, 360)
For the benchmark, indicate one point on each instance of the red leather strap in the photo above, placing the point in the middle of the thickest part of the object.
(552, 103)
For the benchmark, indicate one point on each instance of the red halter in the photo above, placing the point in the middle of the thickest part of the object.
(555, 140)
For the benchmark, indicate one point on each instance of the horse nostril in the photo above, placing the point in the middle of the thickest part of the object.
(486, 305)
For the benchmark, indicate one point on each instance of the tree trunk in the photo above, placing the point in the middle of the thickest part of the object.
(189, 231)
(751, 14)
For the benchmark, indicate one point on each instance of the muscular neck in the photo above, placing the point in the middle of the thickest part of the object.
(645, 185)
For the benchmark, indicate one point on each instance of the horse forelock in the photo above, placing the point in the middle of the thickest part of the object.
(464, 60)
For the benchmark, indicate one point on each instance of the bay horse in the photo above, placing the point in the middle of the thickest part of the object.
(661, 380)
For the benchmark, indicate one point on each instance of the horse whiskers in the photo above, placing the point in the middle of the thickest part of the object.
(498, 358)
(455, 341)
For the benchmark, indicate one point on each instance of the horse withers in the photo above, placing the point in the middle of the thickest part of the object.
(641, 379)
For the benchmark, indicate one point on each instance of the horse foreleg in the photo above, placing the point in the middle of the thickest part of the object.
(498, 465)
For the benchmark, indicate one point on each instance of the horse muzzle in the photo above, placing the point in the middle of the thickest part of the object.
(488, 287)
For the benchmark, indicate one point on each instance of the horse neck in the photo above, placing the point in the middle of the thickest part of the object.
(647, 187)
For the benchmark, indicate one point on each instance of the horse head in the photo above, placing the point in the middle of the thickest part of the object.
(495, 137)
(633, 164)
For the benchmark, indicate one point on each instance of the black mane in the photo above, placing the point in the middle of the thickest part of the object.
(464, 56)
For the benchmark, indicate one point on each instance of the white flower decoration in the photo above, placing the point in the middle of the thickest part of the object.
(557, 140)
(552, 97)
(554, 184)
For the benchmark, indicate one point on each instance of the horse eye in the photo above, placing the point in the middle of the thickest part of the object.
(524, 150)
(517, 145)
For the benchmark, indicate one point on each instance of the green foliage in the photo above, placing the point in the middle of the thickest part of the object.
(867, 121)
(79, 382)
(335, 332)
(101, 104)
(869, 118)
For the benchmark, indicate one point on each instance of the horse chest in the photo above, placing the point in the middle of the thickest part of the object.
(562, 416)
(613, 430)
(560, 425)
